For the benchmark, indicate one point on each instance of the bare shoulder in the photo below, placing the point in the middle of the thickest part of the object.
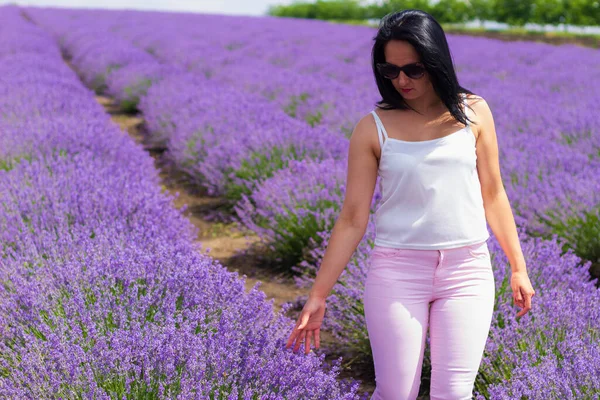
(481, 114)
(478, 104)
(365, 135)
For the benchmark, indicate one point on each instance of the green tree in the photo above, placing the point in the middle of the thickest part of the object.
(482, 10)
(296, 9)
(452, 11)
(389, 6)
(548, 12)
(582, 12)
(513, 12)
(339, 9)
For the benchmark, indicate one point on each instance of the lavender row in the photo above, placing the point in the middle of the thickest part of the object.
(104, 294)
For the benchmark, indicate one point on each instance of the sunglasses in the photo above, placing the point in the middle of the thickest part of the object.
(391, 71)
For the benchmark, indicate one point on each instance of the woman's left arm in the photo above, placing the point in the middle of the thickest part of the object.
(497, 207)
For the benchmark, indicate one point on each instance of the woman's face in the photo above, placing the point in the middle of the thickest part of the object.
(401, 53)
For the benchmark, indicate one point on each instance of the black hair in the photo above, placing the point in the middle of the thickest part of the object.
(426, 35)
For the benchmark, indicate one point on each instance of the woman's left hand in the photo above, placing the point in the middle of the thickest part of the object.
(522, 291)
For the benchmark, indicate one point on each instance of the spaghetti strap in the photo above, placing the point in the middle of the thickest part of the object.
(464, 95)
(381, 132)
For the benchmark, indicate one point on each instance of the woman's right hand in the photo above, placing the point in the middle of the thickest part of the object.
(308, 324)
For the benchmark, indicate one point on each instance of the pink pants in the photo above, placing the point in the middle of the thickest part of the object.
(450, 290)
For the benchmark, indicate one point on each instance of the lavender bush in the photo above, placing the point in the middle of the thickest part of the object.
(290, 208)
(131, 82)
(127, 308)
(559, 338)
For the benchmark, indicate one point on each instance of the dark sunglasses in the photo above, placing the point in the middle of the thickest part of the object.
(391, 71)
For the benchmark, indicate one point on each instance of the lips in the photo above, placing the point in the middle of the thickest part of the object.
(405, 90)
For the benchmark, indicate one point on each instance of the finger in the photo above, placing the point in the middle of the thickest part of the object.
(307, 344)
(518, 299)
(522, 312)
(317, 338)
(528, 301)
(518, 296)
(295, 335)
(519, 303)
(292, 337)
(298, 342)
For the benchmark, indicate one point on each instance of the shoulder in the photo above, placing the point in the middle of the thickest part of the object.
(365, 134)
(481, 113)
(365, 129)
(478, 104)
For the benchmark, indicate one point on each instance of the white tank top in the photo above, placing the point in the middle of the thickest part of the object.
(431, 194)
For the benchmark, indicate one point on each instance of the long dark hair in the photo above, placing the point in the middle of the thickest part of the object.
(426, 35)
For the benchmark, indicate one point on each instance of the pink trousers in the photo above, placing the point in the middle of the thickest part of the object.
(451, 292)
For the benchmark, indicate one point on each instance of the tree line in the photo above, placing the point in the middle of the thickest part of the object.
(512, 12)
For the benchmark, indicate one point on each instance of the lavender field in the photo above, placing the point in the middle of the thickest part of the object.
(105, 294)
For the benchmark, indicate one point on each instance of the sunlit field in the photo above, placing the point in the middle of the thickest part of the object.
(106, 293)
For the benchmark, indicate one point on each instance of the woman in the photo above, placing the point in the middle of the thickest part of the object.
(433, 144)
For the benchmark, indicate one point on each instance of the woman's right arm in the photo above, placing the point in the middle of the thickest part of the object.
(347, 232)
(352, 221)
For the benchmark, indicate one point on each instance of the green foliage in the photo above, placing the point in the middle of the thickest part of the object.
(133, 92)
(292, 107)
(482, 10)
(296, 232)
(321, 9)
(390, 6)
(580, 232)
(453, 11)
(548, 12)
(513, 12)
(257, 167)
(9, 163)
(312, 119)
(582, 12)
(98, 83)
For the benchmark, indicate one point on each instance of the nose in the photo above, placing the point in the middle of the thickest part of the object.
(402, 78)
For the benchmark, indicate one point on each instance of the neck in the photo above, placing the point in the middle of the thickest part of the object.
(427, 104)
